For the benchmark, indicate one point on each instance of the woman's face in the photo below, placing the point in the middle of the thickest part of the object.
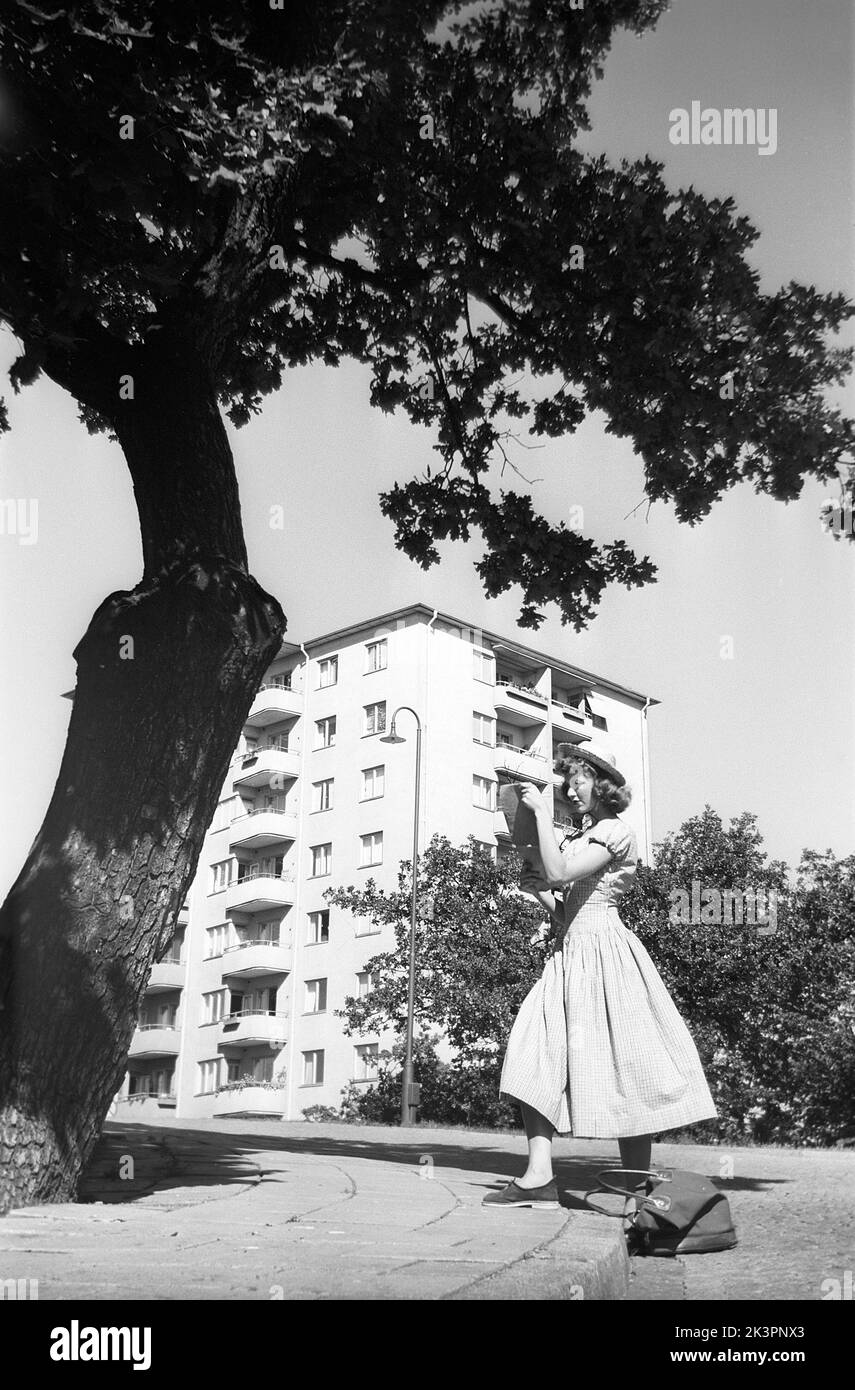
(572, 799)
(580, 784)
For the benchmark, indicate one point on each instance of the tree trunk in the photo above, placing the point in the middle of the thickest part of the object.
(166, 675)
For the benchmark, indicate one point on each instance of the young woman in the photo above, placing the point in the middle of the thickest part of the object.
(598, 1049)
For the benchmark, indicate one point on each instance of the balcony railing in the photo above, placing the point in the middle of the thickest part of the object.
(258, 871)
(528, 691)
(254, 891)
(502, 747)
(281, 744)
(245, 945)
(255, 1013)
(147, 1027)
(140, 1096)
(248, 1027)
(262, 826)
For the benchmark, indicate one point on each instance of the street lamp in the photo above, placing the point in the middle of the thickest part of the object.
(410, 1092)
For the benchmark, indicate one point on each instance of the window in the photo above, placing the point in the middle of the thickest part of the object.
(259, 1068)
(266, 933)
(483, 793)
(258, 1001)
(209, 1076)
(366, 980)
(376, 655)
(313, 1068)
(160, 1082)
(214, 1006)
(316, 997)
(319, 927)
(366, 1058)
(375, 718)
(327, 672)
(483, 665)
(281, 680)
(325, 732)
(321, 860)
(322, 795)
(371, 849)
(365, 927)
(217, 939)
(482, 728)
(221, 875)
(373, 783)
(153, 1015)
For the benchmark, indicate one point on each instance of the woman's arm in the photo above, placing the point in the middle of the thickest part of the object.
(558, 869)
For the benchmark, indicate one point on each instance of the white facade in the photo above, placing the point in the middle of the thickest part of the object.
(314, 799)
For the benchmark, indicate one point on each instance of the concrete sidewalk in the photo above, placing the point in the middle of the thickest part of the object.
(257, 1210)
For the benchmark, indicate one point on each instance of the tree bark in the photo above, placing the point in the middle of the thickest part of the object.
(166, 675)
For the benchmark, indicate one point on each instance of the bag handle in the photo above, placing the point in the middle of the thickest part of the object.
(601, 1211)
(622, 1191)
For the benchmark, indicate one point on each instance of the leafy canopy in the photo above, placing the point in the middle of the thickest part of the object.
(772, 1011)
(477, 946)
(401, 184)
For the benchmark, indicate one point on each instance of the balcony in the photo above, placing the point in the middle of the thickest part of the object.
(154, 1040)
(570, 723)
(249, 959)
(166, 974)
(255, 892)
(262, 827)
(272, 703)
(144, 1103)
(252, 1027)
(250, 1102)
(260, 766)
(522, 762)
(520, 704)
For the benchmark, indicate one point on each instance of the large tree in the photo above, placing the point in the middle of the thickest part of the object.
(197, 198)
(766, 984)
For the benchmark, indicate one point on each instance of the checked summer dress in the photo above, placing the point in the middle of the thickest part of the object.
(598, 1046)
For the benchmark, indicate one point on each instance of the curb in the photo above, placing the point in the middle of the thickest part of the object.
(583, 1263)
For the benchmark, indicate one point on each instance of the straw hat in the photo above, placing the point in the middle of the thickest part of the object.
(592, 753)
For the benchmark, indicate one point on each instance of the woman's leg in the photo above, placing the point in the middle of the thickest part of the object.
(635, 1153)
(539, 1133)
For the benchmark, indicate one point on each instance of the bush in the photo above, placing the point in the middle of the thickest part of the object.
(463, 1092)
(318, 1114)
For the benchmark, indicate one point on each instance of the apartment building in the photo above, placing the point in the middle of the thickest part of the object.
(238, 1018)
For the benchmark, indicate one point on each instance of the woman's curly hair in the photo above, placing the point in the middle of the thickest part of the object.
(614, 798)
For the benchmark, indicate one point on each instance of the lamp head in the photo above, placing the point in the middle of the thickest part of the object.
(392, 737)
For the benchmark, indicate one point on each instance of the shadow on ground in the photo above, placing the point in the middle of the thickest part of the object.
(166, 1158)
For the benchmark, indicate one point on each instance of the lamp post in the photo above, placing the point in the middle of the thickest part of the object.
(410, 1093)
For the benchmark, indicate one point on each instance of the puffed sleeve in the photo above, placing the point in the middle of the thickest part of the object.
(617, 838)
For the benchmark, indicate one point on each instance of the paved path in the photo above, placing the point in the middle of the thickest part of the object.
(259, 1210)
(794, 1211)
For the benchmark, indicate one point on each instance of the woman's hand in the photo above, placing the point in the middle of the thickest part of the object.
(532, 797)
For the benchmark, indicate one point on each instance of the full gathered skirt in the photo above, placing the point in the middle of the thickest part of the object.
(599, 1047)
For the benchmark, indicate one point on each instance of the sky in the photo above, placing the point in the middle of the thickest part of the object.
(768, 729)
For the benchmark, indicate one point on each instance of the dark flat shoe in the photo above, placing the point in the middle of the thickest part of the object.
(541, 1198)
